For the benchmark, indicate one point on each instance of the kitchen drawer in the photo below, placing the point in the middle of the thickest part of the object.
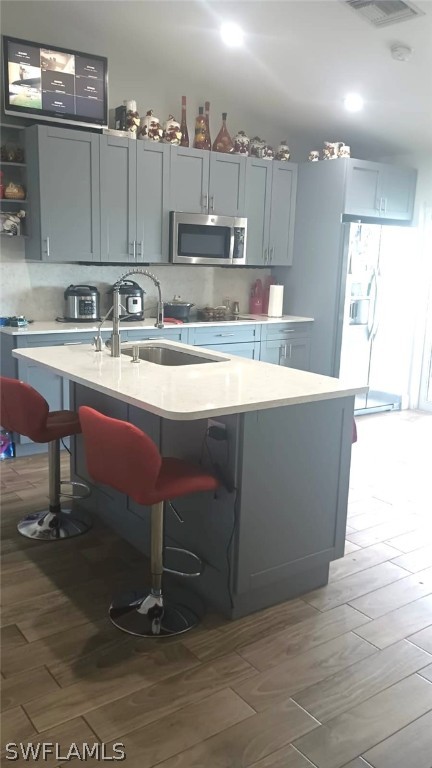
(223, 334)
(57, 339)
(172, 334)
(285, 330)
(247, 349)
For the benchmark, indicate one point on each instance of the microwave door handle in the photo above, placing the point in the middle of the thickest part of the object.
(232, 243)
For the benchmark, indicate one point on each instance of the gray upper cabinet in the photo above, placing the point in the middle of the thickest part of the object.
(257, 209)
(152, 201)
(207, 182)
(118, 175)
(189, 180)
(227, 184)
(134, 200)
(282, 212)
(270, 209)
(379, 190)
(63, 181)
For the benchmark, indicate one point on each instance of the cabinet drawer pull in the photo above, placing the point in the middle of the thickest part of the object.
(71, 343)
(225, 334)
(289, 330)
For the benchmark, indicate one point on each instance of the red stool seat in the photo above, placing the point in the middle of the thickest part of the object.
(26, 412)
(122, 456)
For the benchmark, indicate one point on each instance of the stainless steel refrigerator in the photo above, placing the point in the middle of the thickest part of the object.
(377, 315)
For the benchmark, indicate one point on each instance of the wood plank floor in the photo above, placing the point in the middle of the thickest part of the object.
(341, 678)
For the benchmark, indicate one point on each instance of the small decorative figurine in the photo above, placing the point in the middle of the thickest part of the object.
(172, 133)
(241, 144)
(283, 151)
(150, 127)
(313, 156)
(132, 123)
(257, 146)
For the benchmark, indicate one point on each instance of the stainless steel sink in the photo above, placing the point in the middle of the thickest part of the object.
(164, 355)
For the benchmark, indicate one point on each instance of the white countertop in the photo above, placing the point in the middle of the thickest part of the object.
(52, 326)
(231, 385)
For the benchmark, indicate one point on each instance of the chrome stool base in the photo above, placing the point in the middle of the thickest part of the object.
(146, 614)
(50, 526)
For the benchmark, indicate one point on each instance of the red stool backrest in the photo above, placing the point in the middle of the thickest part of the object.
(119, 454)
(23, 409)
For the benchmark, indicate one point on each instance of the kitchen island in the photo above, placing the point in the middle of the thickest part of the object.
(282, 450)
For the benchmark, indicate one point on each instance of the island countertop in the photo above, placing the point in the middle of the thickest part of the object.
(231, 385)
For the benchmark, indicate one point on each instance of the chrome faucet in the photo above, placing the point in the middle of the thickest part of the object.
(115, 309)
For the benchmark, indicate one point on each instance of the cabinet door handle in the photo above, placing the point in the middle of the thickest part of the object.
(265, 255)
(205, 204)
(211, 203)
(47, 246)
(385, 204)
(71, 343)
(225, 334)
(271, 254)
(132, 248)
(141, 249)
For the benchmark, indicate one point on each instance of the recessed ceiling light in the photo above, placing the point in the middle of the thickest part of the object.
(232, 34)
(353, 102)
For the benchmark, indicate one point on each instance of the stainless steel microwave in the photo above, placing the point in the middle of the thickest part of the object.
(198, 238)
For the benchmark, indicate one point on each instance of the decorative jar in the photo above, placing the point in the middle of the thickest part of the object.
(283, 151)
(242, 144)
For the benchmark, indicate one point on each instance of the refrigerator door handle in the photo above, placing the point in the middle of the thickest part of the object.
(372, 325)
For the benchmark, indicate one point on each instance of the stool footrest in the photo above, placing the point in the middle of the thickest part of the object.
(188, 553)
(84, 495)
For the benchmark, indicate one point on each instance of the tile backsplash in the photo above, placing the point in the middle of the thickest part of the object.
(36, 289)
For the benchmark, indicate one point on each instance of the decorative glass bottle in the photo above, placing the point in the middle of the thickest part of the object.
(184, 141)
(201, 138)
(207, 117)
(223, 141)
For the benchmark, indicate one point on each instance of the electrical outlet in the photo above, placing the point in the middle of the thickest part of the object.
(215, 423)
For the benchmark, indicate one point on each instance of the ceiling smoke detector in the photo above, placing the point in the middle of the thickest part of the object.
(380, 13)
(401, 52)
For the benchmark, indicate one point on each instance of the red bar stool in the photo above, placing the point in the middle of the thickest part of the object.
(26, 412)
(122, 456)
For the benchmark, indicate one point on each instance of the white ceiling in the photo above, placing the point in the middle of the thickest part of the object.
(300, 58)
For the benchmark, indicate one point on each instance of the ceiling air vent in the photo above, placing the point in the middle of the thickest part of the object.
(383, 12)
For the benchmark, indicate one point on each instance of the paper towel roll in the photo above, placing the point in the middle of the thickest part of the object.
(275, 301)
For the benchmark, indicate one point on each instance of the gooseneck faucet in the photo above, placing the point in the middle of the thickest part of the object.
(115, 309)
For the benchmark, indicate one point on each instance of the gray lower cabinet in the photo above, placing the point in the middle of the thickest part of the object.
(63, 191)
(207, 182)
(286, 344)
(380, 190)
(292, 353)
(270, 210)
